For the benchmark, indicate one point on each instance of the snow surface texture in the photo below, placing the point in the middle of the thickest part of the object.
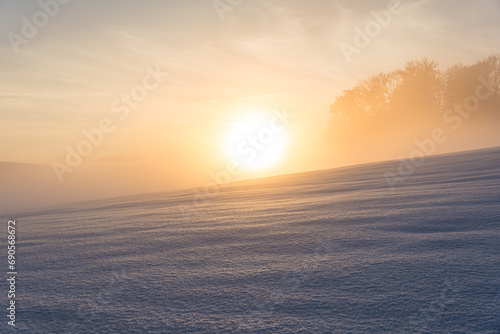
(322, 252)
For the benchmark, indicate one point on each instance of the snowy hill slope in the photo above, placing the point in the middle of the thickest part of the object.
(333, 251)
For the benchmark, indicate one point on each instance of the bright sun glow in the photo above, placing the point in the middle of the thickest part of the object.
(258, 141)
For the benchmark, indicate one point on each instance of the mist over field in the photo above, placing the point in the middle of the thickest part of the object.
(384, 117)
(264, 166)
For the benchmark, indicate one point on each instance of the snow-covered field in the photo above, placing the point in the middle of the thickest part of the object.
(332, 251)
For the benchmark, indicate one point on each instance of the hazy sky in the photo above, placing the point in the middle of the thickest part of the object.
(264, 54)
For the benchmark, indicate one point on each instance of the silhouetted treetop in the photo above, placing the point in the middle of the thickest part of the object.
(413, 96)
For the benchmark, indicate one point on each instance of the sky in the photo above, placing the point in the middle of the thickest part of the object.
(201, 67)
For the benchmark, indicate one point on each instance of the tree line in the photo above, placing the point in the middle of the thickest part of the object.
(410, 99)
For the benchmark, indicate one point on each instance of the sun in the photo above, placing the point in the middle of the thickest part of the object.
(258, 141)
